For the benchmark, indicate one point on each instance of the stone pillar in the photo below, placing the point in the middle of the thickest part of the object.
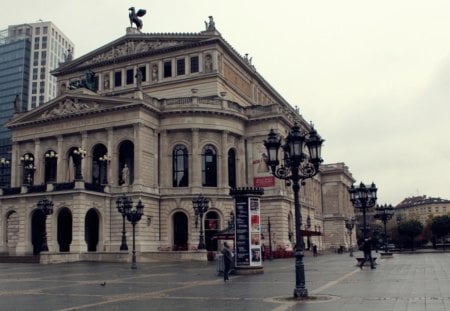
(60, 160)
(164, 161)
(109, 172)
(38, 163)
(137, 129)
(15, 165)
(195, 160)
(223, 171)
(247, 230)
(85, 163)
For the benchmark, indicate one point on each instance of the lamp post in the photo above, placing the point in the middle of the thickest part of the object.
(350, 224)
(269, 227)
(200, 205)
(50, 159)
(384, 213)
(363, 197)
(28, 169)
(399, 220)
(133, 216)
(46, 207)
(296, 166)
(78, 155)
(3, 164)
(123, 203)
(104, 168)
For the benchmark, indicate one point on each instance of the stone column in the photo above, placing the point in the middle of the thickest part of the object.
(38, 163)
(15, 165)
(223, 171)
(85, 163)
(109, 173)
(137, 128)
(195, 160)
(60, 160)
(164, 161)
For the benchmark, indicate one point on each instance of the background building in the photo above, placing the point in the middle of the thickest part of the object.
(422, 208)
(28, 52)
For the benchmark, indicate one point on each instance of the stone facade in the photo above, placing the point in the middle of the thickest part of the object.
(194, 123)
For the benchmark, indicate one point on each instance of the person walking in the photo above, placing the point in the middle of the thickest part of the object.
(367, 249)
(227, 260)
(314, 250)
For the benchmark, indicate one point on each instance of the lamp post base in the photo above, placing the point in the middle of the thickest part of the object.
(300, 293)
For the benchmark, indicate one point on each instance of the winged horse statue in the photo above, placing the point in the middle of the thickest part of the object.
(134, 17)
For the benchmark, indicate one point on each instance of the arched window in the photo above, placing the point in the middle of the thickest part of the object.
(209, 166)
(100, 161)
(180, 166)
(232, 168)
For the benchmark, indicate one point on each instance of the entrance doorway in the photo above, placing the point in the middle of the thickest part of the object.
(64, 229)
(37, 230)
(180, 231)
(91, 230)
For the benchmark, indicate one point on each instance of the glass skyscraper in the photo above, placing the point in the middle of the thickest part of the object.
(28, 52)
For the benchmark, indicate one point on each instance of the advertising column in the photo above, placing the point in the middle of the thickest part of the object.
(248, 230)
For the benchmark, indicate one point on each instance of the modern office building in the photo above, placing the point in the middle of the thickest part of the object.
(159, 118)
(28, 52)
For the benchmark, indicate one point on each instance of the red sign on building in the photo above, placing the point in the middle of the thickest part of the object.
(266, 181)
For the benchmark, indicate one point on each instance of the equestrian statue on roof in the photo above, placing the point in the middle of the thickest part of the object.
(134, 17)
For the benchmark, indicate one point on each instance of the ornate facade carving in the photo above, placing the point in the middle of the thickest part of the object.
(69, 106)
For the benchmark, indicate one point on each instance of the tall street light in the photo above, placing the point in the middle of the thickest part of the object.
(133, 216)
(297, 165)
(4, 163)
(350, 224)
(363, 197)
(78, 155)
(123, 203)
(200, 205)
(384, 213)
(46, 207)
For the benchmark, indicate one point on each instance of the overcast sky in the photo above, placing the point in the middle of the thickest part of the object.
(373, 76)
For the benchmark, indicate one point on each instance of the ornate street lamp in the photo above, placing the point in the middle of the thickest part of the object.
(4, 163)
(123, 203)
(104, 160)
(297, 165)
(50, 159)
(78, 155)
(200, 205)
(384, 213)
(46, 207)
(133, 216)
(363, 197)
(350, 224)
(28, 169)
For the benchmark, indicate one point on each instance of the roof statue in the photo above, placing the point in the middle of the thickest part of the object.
(134, 17)
(211, 25)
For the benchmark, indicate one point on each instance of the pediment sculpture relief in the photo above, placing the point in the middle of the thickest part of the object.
(67, 107)
(128, 48)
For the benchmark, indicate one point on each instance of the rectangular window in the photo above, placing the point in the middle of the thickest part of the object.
(37, 31)
(181, 68)
(45, 30)
(167, 69)
(144, 73)
(130, 74)
(194, 64)
(118, 78)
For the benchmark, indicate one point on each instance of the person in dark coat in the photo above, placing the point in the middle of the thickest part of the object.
(227, 260)
(367, 249)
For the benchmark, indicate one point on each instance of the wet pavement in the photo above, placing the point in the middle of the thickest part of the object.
(406, 282)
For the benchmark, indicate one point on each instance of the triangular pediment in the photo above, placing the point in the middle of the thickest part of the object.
(69, 105)
(132, 46)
